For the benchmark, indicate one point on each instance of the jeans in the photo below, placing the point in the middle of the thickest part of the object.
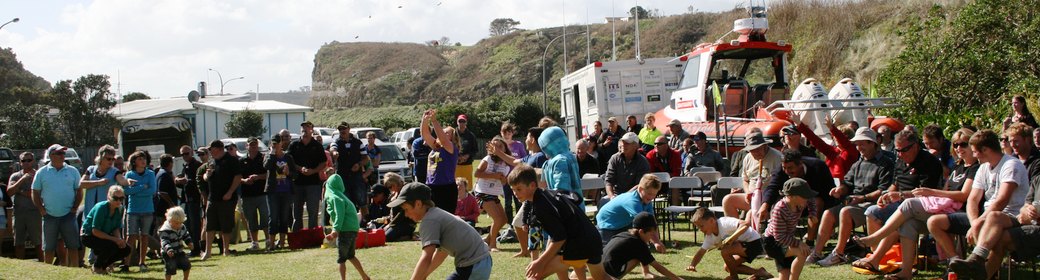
(310, 195)
(106, 251)
(478, 271)
(253, 205)
(281, 206)
(193, 210)
(66, 226)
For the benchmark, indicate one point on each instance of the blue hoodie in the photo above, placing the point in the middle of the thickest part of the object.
(561, 170)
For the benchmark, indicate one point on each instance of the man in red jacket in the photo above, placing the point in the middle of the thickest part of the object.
(665, 159)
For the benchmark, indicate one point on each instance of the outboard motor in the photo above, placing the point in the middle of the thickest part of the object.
(845, 89)
(811, 89)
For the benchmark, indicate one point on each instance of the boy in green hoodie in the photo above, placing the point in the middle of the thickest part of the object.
(345, 224)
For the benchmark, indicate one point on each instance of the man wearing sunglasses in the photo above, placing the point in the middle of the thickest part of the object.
(26, 216)
(665, 159)
(190, 194)
(56, 194)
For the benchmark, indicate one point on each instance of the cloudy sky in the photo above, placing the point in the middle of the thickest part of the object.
(164, 48)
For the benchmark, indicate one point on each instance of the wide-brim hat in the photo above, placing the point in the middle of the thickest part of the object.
(754, 141)
(865, 134)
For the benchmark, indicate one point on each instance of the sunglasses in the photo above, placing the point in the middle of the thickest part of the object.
(185, 154)
(28, 160)
(118, 198)
(905, 149)
(110, 158)
(661, 143)
(960, 145)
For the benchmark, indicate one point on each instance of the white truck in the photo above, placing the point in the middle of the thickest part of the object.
(616, 89)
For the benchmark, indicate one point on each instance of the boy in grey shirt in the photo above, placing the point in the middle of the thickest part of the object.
(443, 234)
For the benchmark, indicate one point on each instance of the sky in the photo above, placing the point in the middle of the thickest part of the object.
(164, 48)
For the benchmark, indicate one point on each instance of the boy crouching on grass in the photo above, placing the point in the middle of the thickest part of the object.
(573, 240)
(731, 236)
(441, 234)
(172, 236)
(780, 242)
(628, 250)
(345, 224)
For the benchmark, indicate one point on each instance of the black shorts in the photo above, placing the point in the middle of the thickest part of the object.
(752, 249)
(483, 198)
(1024, 238)
(959, 223)
(220, 216)
(178, 261)
(778, 252)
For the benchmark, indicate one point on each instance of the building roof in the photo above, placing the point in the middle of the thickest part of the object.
(151, 108)
(265, 106)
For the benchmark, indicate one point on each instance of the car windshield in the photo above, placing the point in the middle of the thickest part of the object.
(325, 131)
(6, 155)
(71, 154)
(390, 153)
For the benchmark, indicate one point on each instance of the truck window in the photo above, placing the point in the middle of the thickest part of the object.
(691, 73)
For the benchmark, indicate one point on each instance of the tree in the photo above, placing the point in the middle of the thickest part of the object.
(503, 26)
(135, 96)
(444, 41)
(84, 118)
(643, 13)
(26, 127)
(247, 123)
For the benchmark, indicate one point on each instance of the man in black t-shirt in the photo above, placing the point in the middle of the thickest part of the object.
(191, 196)
(309, 157)
(351, 158)
(254, 193)
(628, 249)
(224, 176)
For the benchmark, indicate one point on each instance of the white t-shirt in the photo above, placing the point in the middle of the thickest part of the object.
(1009, 169)
(727, 226)
(492, 186)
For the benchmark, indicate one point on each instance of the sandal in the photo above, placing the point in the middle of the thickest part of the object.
(860, 243)
(866, 265)
(895, 276)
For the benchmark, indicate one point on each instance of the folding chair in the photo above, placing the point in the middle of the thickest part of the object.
(672, 212)
(721, 189)
(703, 194)
(592, 183)
(661, 200)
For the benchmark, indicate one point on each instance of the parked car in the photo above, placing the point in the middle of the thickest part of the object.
(400, 138)
(392, 160)
(71, 158)
(327, 135)
(240, 143)
(8, 164)
(360, 133)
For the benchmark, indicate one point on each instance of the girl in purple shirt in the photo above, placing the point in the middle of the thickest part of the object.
(443, 159)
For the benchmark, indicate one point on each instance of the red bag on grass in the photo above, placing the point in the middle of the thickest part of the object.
(306, 238)
(370, 238)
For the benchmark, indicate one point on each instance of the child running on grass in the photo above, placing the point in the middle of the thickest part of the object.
(573, 240)
(731, 236)
(442, 234)
(629, 249)
(345, 224)
(780, 242)
(172, 236)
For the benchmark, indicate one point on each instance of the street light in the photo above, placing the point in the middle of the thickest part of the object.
(9, 22)
(222, 82)
(545, 96)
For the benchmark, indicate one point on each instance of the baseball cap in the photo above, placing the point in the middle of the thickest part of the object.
(798, 187)
(789, 130)
(754, 141)
(644, 221)
(216, 144)
(276, 139)
(462, 117)
(307, 123)
(411, 192)
(55, 148)
(342, 126)
(675, 122)
(612, 119)
(865, 133)
(699, 136)
(630, 138)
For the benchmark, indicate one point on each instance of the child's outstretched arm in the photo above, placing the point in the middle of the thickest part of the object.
(696, 260)
(664, 270)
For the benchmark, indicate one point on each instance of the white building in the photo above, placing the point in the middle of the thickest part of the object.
(211, 117)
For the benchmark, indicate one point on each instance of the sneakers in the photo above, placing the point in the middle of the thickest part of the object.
(144, 268)
(815, 257)
(831, 260)
(253, 247)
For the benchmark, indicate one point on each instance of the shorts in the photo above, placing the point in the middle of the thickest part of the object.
(917, 224)
(178, 261)
(483, 198)
(1024, 238)
(138, 224)
(537, 238)
(478, 271)
(882, 214)
(356, 190)
(576, 263)
(752, 249)
(27, 227)
(777, 252)
(66, 226)
(857, 211)
(220, 216)
(345, 245)
(959, 223)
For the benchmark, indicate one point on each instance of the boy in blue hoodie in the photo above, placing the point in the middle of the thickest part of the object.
(345, 224)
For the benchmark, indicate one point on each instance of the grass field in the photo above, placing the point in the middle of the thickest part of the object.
(396, 261)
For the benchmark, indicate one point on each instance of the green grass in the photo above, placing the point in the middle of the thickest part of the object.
(396, 261)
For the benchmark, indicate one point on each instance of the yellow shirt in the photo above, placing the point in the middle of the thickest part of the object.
(648, 136)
